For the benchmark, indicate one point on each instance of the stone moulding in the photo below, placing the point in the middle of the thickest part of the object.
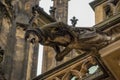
(41, 12)
(95, 3)
(108, 22)
(77, 67)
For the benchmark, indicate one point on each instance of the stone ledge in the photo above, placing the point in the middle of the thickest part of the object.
(74, 64)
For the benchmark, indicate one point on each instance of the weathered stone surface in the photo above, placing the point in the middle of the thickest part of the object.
(19, 63)
(105, 9)
(107, 21)
(78, 68)
(60, 13)
(111, 57)
(59, 34)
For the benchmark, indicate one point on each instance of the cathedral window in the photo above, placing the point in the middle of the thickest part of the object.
(108, 11)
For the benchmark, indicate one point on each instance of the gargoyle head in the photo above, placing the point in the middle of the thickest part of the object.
(55, 35)
(34, 35)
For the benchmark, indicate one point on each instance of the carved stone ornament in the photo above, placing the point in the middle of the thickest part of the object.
(74, 21)
(83, 67)
(112, 7)
(52, 11)
(59, 34)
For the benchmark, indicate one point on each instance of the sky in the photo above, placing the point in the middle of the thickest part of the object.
(78, 8)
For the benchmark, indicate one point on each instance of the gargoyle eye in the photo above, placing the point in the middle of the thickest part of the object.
(32, 40)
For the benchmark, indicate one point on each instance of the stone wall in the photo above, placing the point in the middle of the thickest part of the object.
(20, 59)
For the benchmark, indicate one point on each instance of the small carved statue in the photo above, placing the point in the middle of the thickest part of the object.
(59, 34)
(52, 11)
(74, 21)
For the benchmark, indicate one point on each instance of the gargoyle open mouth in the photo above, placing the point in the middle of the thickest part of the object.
(33, 35)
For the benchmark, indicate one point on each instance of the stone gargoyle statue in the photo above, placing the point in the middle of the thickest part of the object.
(59, 34)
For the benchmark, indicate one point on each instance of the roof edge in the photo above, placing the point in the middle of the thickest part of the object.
(41, 11)
(108, 22)
(95, 3)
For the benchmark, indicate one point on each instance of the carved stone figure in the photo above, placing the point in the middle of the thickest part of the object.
(52, 11)
(59, 34)
(74, 21)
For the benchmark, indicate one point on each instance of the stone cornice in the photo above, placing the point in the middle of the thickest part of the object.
(43, 13)
(95, 3)
(69, 64)
(58, 68)
(108, 22)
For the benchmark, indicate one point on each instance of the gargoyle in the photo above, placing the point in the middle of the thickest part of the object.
(59, 34)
